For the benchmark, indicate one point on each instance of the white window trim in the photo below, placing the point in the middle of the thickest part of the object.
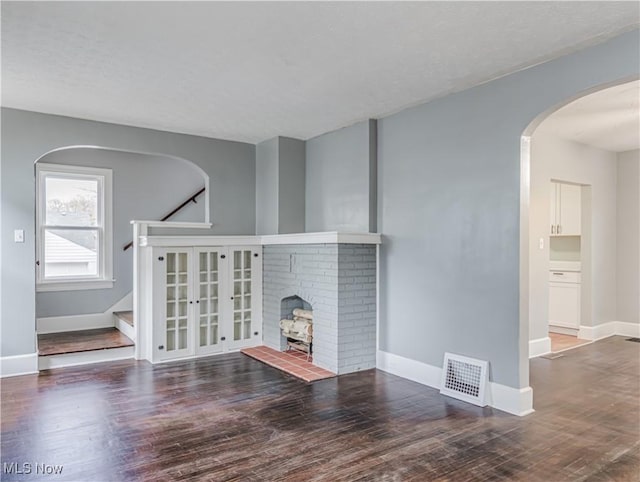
(103, 281)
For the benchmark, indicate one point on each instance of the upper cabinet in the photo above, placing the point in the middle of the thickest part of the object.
(566, 211)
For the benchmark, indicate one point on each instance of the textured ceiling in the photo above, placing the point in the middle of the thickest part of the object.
(251, 71)
(608, 119)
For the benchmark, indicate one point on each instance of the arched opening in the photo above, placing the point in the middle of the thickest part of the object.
(567, 184)
(86, 198)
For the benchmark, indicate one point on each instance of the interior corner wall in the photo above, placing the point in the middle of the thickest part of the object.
(628, 238)
(568, 161)
(292, 186)
(26, 136)
(449, 210)
(267, 187)
(280, 186)
(339, 180)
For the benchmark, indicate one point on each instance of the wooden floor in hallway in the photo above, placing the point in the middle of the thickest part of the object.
(561, 342)
(231, 418)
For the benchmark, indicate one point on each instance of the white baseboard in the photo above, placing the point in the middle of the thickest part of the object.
(540, 346)
(512, 400)
(625, 328)
(58, 324)
(12, 366)
(611, 328)
(597, 332)
(85, 357)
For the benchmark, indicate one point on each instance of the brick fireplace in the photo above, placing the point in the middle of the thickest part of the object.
(338, 283)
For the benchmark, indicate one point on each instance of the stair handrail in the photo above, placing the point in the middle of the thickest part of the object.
(190, 199)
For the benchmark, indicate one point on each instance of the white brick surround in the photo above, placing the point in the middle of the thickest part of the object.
(339, 281)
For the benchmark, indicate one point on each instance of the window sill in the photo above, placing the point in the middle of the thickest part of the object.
(75, 285)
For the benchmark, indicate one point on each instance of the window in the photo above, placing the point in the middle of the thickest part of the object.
(74, 234)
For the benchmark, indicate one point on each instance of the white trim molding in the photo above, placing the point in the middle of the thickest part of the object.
(13, 366)
(91, 321)
(332, 237)
(296, 238)
(508, 399)
(611, 328)
(85, 357)
(540, 346)
(597, 332)
(625, 328)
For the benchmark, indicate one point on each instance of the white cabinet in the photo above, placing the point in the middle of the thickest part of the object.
(205, 300)
(564, 299)
(566, 209)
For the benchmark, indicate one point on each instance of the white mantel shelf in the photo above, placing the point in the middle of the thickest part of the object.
(297, 238)
(332, 237)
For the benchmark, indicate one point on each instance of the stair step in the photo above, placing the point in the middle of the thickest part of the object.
(82, 341)
(126, 316)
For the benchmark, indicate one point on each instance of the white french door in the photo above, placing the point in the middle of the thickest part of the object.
(245, 268)
(173, 303)
(206, 300)
(210, 299)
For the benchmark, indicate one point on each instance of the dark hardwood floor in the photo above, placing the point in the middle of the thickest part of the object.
(232, 418)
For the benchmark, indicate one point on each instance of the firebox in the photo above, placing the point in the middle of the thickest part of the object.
(296, 325)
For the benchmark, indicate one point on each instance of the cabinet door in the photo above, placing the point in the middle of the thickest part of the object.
(209, 287)
(570, 210)
(173, 303)
(553, 208)
(245, 272)
(564, 305)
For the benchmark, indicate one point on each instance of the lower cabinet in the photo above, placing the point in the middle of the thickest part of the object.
(205, 300)
(564, 299)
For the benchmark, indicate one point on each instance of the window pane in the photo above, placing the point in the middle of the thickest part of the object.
(71, 202)
(70, 253)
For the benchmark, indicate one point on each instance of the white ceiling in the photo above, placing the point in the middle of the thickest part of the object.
(608, 119)
(252, 71)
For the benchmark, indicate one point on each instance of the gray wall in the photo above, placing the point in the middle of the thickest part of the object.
(448, 207)
(628, 239)
(26, 136)
(280, 186)
(291, 200)
(340, 180)
(144, 187)
(267, 186)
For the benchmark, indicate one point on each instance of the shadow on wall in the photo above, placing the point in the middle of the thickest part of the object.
(145, 187)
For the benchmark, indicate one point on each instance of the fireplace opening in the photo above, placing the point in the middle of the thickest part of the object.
(296, 325)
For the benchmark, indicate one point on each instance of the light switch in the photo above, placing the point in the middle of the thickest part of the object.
(18, 235)
(541, 243)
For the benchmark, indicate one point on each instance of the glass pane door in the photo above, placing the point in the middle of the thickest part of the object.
(176, 332)
(208, 301)
(242, 278)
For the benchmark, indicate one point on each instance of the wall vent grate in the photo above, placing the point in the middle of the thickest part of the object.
(465, 378)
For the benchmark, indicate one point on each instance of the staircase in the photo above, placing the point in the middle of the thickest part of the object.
(71, 348)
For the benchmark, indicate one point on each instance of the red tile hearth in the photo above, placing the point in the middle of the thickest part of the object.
(291, 362)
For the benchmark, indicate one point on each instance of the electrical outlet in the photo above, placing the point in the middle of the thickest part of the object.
(541, 243)
(18, 235)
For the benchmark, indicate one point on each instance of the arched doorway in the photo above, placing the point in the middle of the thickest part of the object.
(86, 198)
(576, 255)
